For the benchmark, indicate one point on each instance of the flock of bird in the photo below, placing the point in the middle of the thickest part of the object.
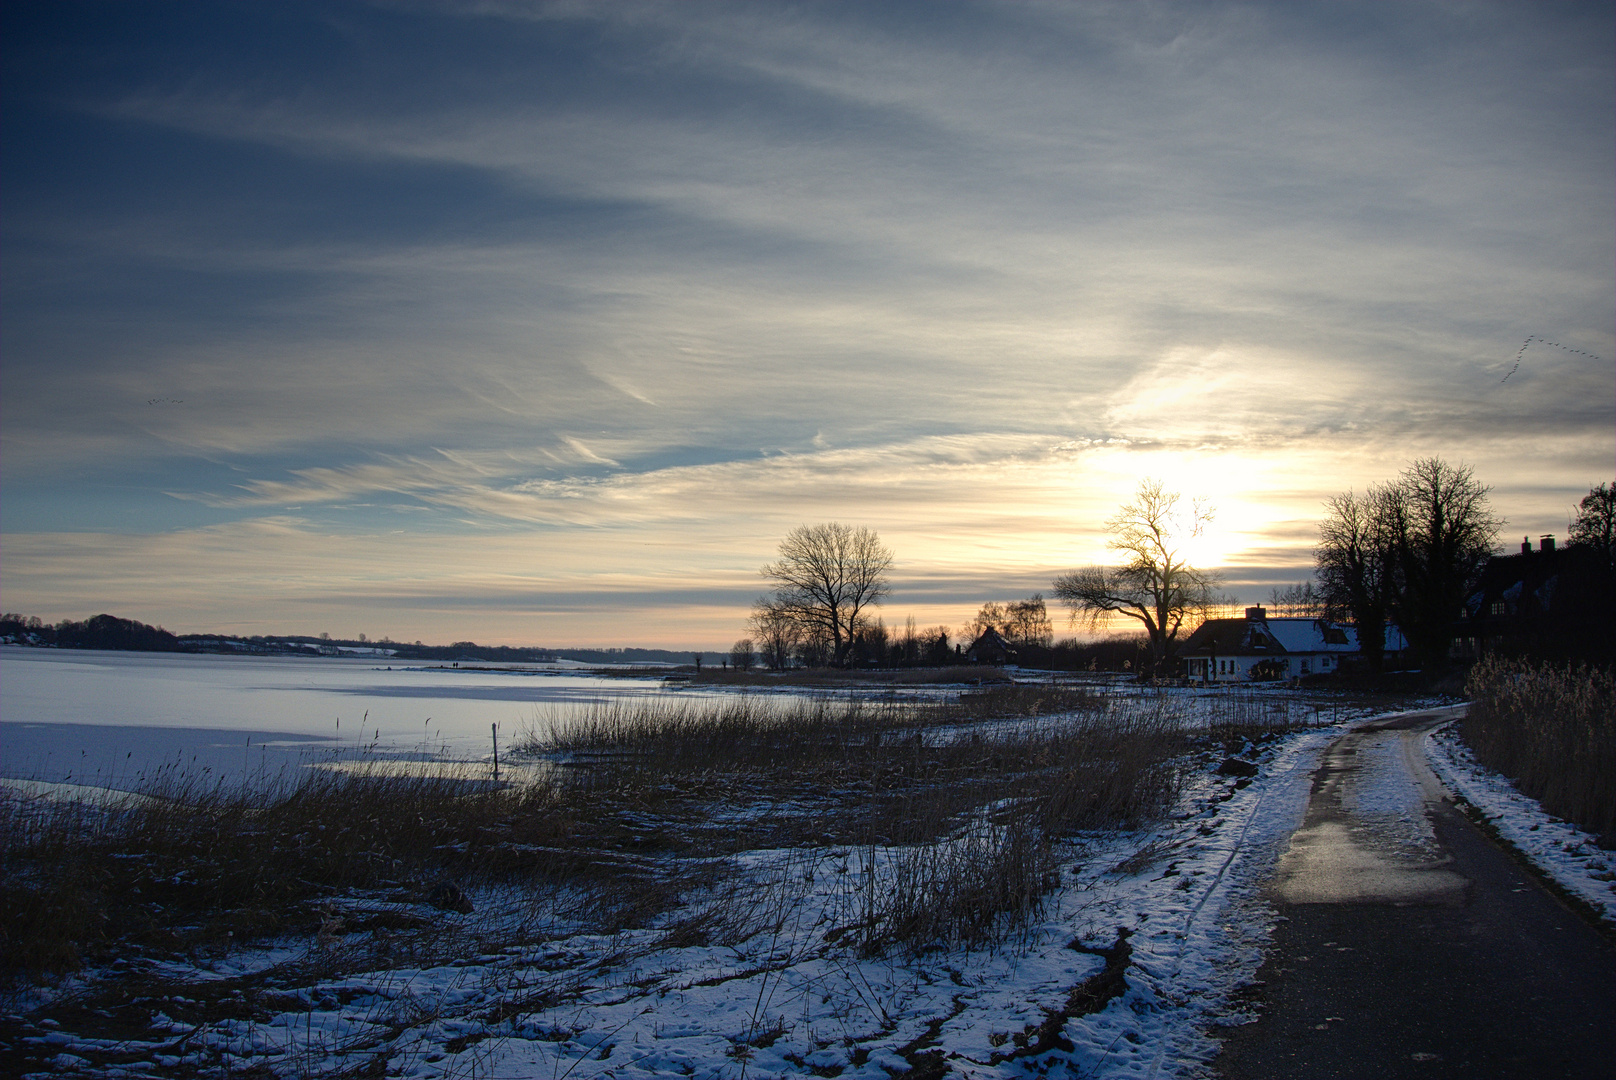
(1542, 341)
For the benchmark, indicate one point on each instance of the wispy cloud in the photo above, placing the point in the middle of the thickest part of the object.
(707, 270)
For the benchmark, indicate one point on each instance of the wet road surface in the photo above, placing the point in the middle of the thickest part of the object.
(1410, 946)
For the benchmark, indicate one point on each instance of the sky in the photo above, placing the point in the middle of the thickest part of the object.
(543, 323)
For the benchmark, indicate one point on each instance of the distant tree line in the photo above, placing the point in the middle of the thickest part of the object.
(96, 632)
(1405, 553)
(111, 632)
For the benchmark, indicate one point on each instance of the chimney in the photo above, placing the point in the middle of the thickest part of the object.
(1255, 614)
(1546, 542)
(1526, 545)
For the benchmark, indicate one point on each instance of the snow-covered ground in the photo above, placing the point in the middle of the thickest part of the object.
(1558, 848)
(1176, 910)
(1128, 970)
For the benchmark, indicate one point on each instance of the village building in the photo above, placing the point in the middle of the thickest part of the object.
(991, 647)
(1258, 648)
(1553, 602)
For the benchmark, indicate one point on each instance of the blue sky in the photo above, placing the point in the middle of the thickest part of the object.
(542, 323)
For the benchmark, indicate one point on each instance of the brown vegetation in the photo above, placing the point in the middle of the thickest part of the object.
(1552, 730)
(624, 819)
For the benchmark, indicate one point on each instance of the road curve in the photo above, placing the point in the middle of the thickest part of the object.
(1410, 946)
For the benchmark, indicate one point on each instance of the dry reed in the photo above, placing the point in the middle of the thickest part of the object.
(1552, 730)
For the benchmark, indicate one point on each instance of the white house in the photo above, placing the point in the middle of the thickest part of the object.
(1258, 647)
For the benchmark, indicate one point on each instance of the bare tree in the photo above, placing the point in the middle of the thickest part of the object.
(1444, 530)
(1027, 622)
(1156, 585)
(1302, 600)
(740, 655)
(1357, 564)
(775, 634)
(992, 615)
(908, 650)
(813, 649)
(1022, 622)
(825, 578)
(871, 640)
(1595, 522)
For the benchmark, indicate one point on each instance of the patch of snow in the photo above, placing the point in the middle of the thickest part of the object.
(1385, 801)
(1567, 854)
(786, 1000)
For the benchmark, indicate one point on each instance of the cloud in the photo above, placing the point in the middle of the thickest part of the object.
(709, 270)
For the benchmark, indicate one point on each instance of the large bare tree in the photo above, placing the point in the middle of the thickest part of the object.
(1357, 564)
(1407, 552)
(825, 577)
(1443, 529)
(1156, 585)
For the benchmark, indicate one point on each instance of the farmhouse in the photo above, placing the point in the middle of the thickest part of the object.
(1258, 647)
(991, 647)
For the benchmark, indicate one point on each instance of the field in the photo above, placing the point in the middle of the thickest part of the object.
(760, 883)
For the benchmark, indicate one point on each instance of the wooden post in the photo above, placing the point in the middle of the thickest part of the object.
(495, 729)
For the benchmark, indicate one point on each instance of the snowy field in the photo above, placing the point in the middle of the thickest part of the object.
(1129, 967)
(1134, 955)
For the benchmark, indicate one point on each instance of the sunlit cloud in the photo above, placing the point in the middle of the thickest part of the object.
(634, 288)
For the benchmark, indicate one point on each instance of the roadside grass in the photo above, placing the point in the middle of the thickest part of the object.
(1552, 730)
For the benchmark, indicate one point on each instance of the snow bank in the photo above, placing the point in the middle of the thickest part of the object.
(1558, 848)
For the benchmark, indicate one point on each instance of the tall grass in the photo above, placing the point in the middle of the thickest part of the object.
(1552, 730)
(918, 765)
(228, 861)
(963, 892)
(692, 737)
(964, 799)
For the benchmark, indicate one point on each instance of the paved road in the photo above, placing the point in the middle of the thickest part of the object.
(1411, 946)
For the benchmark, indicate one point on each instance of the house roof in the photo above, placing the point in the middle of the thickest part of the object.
(1263, 636)
(992, 641)
(1313, 636)
(1227, 636)
(1526, 582)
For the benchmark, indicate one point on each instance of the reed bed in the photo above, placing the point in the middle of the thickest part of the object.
(228, 862)
(962, 893)
(1552, 730)
(683, 736)
(957, 805)
(628, 811)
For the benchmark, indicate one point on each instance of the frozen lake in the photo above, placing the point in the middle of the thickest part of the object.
(103, 718)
